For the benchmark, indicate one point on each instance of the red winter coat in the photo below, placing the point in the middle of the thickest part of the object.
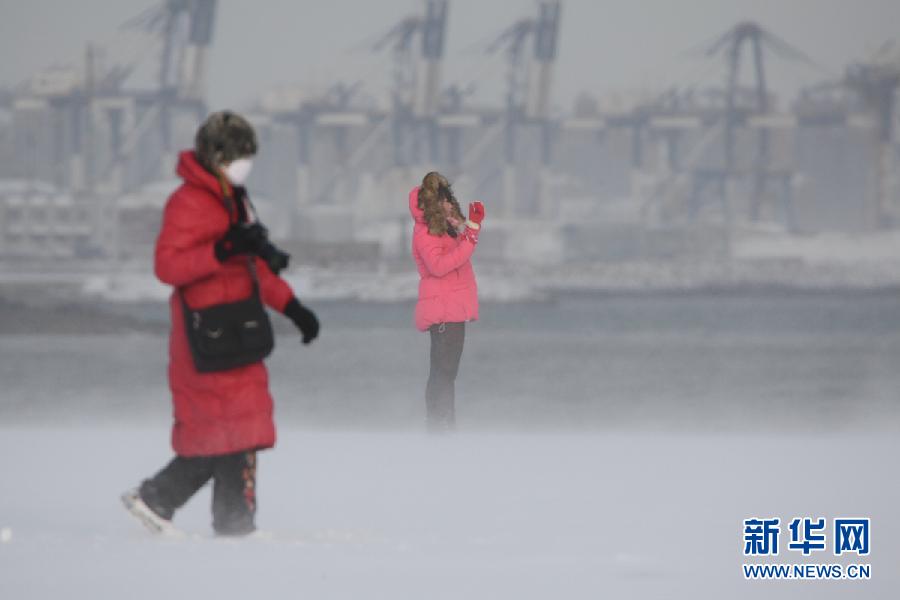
(227, 411)
(448, 292)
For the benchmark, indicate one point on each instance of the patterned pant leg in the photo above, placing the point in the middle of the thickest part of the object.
(234, 493)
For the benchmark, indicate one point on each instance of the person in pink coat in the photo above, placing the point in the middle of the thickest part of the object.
(442, 247)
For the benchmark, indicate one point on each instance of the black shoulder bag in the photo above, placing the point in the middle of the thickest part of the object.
(230, 335)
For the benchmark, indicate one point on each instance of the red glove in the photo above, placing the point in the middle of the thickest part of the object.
(476, 214)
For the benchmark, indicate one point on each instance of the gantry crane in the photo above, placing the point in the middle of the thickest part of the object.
(738, 109)
(528, 82)
(876, 82)
(417, 79)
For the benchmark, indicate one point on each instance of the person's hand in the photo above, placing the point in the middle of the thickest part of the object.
(241, 238)
(476, 214)
(304, 319)
(473, 224)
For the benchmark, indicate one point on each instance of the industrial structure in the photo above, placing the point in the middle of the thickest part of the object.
(77, 138)
(87, 151)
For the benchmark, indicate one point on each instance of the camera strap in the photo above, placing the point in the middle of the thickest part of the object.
(234, 216)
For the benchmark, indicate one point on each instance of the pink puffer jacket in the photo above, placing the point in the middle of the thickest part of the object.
(447, 289)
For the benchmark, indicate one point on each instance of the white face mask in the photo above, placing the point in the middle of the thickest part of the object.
(238, 170)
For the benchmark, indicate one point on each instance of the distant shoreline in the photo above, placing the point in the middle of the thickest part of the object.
(505, 283)
(37, 309)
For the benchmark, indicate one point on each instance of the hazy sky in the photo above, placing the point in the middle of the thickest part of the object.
(604, 45)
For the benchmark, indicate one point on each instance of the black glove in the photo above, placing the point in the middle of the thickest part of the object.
(304, 319)
(241, 238)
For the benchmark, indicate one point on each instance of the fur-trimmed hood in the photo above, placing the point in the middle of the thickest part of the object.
(417, 213)
(193, 173)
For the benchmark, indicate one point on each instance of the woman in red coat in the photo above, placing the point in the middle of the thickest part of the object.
(209, 245)
(443, 243)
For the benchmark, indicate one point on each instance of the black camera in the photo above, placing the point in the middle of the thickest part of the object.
(275, 257)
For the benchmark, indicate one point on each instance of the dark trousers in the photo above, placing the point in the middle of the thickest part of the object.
(446, 349)
(234, 489)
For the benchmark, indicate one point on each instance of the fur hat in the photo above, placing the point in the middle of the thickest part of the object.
(224, 136)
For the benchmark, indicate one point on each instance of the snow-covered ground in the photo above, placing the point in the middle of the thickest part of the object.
(610, 447)
(392, 515)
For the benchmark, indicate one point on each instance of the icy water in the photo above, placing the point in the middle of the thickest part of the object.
(610, 447)
(700, 362)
